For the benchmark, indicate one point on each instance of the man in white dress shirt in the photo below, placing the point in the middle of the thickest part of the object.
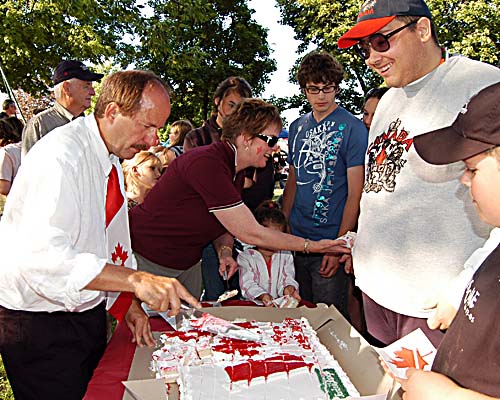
(55, 240)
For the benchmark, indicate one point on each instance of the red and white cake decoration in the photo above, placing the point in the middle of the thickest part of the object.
(289, 362)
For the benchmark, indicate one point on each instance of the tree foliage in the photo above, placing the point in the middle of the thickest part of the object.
(195, 44)
(471, 28)
(38, 34)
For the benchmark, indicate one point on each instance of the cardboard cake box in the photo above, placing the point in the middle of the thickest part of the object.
(357, 358)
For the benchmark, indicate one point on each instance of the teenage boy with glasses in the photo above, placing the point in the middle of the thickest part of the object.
(417, 225)
(325, 181)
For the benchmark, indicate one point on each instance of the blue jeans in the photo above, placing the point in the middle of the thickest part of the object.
(212, 281)
(315, 288)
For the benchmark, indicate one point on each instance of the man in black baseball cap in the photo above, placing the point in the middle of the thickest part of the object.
(73, 91)
(74, 69)
(476, 129)
(413, 233)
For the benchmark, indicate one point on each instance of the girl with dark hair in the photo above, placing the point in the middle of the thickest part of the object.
(371, 102)
(175, 147)
(266, 274)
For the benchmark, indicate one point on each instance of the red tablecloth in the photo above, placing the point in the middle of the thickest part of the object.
(106, 383)
(114, 367)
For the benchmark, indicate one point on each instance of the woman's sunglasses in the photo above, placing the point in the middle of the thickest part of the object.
(270, 140)
(378, 42)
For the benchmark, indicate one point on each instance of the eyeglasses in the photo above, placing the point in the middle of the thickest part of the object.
(316, 90)
(378, 42)
(270, 140)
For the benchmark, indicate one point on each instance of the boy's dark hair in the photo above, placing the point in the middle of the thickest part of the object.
(269, 211)
(319, 67)
(233, 84)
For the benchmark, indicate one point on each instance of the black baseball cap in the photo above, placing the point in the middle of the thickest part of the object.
(476, 129)
(73, 69)
(375, 14)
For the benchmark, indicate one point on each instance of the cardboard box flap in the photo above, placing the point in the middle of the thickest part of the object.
(357, 358)
(150, 389)
(316, 316)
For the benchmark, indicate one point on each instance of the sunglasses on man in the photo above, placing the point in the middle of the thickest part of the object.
(378, 42)
(270, 140)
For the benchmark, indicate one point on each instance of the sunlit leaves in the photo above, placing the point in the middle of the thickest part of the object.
(471, 28)
(195, 44)
(38, 34)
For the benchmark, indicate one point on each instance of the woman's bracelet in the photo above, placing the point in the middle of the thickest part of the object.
(306, 246)
(222, 248)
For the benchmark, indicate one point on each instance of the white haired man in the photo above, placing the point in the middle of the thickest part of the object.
(73, 92)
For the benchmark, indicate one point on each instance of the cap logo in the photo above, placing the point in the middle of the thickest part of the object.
(367, 8)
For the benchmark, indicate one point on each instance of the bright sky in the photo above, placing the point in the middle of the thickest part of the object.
(281, 40)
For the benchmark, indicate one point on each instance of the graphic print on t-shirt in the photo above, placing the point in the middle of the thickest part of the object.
(470, 298)
(385, 158)
(317, 157)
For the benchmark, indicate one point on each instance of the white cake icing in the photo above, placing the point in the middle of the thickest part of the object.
(289, 363)
(285, 301)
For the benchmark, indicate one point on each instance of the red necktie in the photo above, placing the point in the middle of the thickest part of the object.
(114, 197)
(114, 201)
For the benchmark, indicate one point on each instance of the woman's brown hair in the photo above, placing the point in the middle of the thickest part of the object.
(250, 116)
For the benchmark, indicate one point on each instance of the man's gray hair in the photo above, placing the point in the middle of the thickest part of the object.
(58, 88)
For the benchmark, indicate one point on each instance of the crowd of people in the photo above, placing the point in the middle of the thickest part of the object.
(101, 216)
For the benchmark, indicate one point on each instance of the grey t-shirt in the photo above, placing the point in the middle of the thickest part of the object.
(43, 123)
(417, 225)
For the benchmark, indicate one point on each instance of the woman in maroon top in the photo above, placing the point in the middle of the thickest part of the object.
(198, 201)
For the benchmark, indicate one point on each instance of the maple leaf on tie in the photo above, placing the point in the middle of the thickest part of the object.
(405, 358)
(119, 256)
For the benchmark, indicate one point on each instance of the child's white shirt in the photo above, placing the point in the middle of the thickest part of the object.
(254, 276)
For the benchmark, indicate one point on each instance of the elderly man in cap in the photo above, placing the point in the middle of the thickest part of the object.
(73, 92)
(65, 242)
(417, 225)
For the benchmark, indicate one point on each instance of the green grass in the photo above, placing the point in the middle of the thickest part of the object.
(5, 390)
(277, 193)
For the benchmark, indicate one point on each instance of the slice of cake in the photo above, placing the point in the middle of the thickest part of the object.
(289, 362)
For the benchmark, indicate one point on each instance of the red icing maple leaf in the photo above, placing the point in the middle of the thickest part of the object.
(405, 358)
(119, 256)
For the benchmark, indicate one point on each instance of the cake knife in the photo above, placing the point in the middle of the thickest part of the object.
(216, 325)
(171, 320)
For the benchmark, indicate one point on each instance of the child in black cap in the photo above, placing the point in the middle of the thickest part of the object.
(467, 364)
